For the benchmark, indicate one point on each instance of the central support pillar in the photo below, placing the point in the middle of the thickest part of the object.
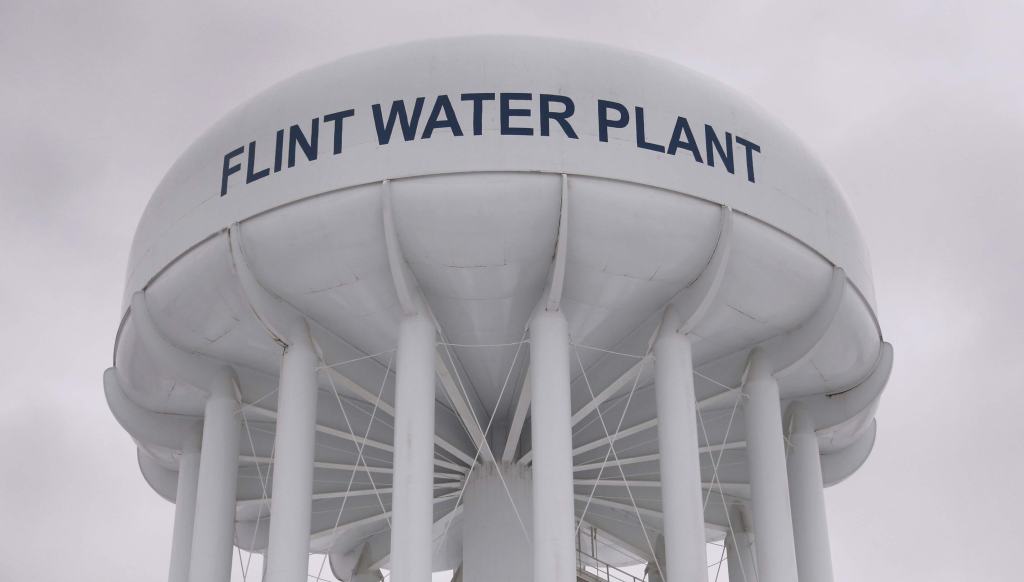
(654, 572)
(184, 511)
(739, 548)
(494, 546)
(769, 488)
(554, 546)
(294, 444)
(214, 528)
(807, 497)
(412, 517)
(681, 498)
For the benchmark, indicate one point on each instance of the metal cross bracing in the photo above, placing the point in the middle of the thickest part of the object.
(451, 465)
(587, 563)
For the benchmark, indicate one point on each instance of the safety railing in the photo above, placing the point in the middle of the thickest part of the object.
(595, 570)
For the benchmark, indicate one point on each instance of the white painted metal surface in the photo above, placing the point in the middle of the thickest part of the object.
(543, 185)
(184, 513)
(213, 534)
(294, 449)
(807, 497)
(554, 543)
(681, 498)
(414, 467)
(769, 488)
(496, 546)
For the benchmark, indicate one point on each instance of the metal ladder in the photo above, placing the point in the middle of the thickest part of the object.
(591, 569)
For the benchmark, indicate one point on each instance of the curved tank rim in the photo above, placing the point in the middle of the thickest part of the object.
(272, 92)
(866, 299)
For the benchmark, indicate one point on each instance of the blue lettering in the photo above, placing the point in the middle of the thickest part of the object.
(546, 115)
(278, 150)
(338, 120)
(442, 105)
(229, 168)
(251, 176)
(603, 123)
(552, 109)
(309, 146)
(478, 109)
(713, 145)
(750, 148)
(507, 112)
(409, 125)
(641, 138)
(674, 144)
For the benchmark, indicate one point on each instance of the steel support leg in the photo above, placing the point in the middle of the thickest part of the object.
(807, 497)
(494, 546)
(294, 444)
(769, 488)
(214, 529)
(554, 546)
(681, 498)
(184, 512)
(412, 506)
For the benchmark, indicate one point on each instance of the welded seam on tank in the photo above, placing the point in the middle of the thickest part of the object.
(698, 296)
(331, 191)
(413, 302)
(277, 307)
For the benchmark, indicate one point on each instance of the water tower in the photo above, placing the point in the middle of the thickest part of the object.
(521, 308)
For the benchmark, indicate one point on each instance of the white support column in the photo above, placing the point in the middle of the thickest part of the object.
(494, 545)
(294, 443)
(739, 548)
(184, 510)
(769, 489)
(681, 498)
(214, 528)
(412, 506)
(807, 497)
(554, 547)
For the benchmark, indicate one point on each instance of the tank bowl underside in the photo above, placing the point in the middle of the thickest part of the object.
(480, 248)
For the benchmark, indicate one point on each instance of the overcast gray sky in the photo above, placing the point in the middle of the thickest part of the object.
(917, 108)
